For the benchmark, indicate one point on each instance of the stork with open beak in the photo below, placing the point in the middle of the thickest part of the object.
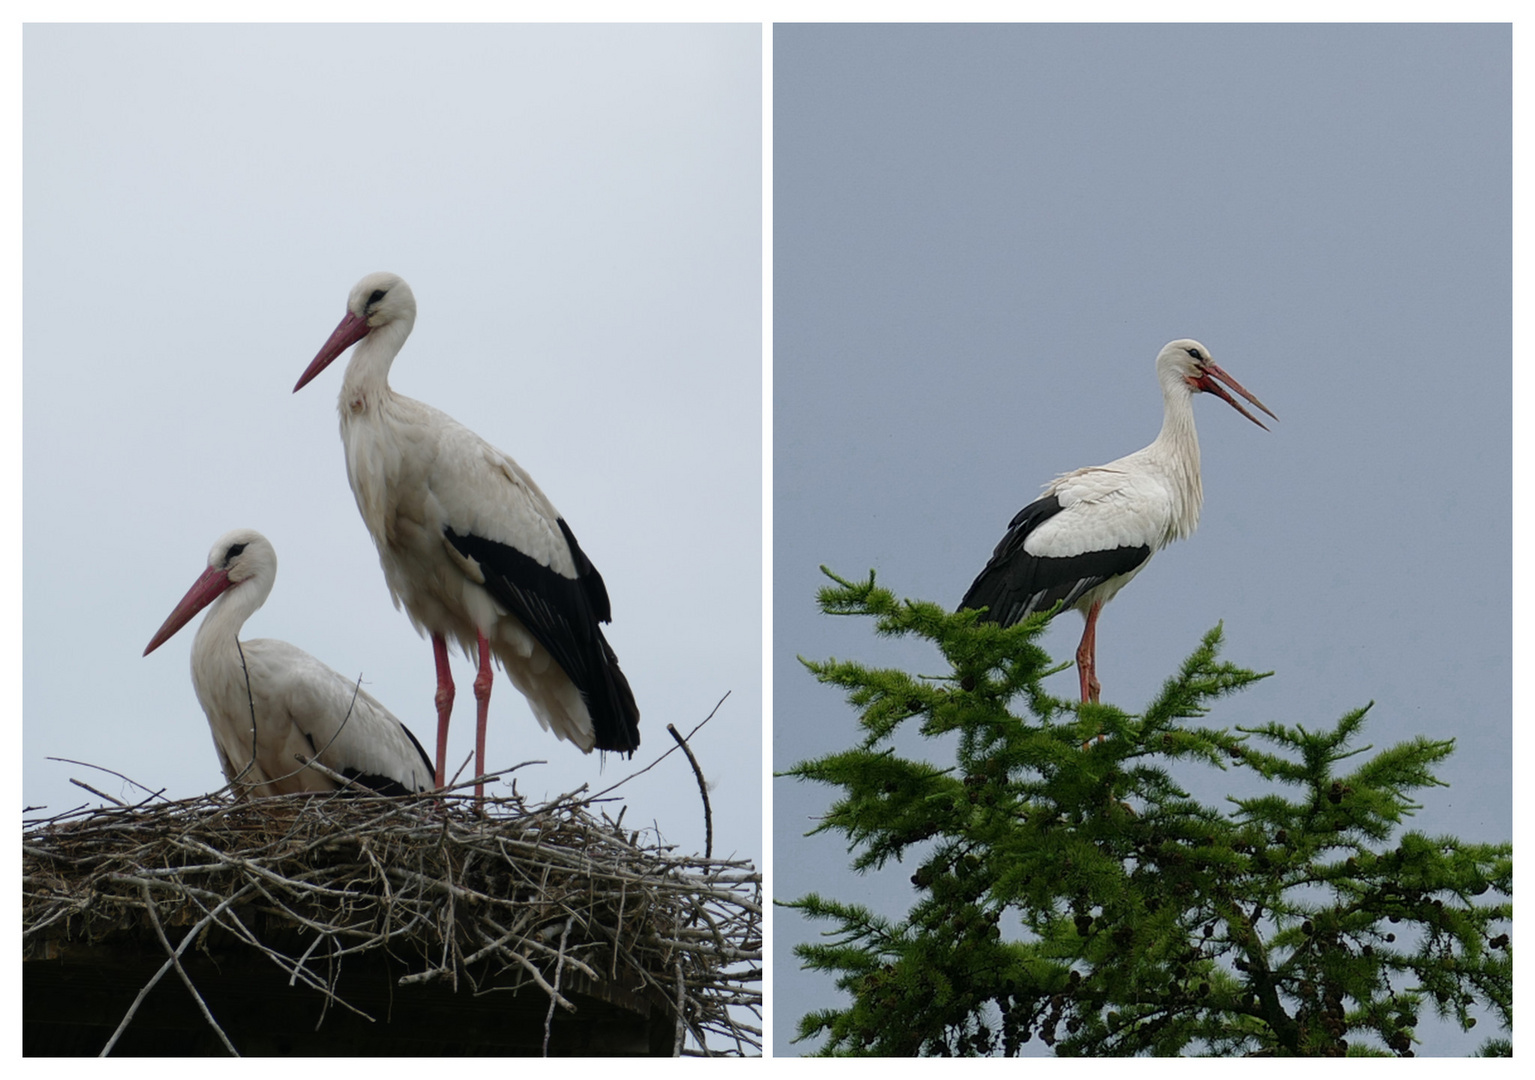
(1094, 529)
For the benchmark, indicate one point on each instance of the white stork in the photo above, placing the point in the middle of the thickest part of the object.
(1094, 529)
(470, 546)
(268, 701)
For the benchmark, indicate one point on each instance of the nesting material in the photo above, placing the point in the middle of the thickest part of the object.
(554, 905)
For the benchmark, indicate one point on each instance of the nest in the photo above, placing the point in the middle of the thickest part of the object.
(555, 905)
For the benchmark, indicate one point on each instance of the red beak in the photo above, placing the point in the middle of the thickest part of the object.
(348, 332)
(203, 592)
(1206, 383)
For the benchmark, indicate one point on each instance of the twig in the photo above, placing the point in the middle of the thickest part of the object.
(251, 700)
(559, 969)
(93, 791)
(664, 756)
(703, 789)
(114, 772)
(677, 1037)
(192, 933)
(175, 954)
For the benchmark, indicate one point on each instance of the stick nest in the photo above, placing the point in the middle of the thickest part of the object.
(533, 897)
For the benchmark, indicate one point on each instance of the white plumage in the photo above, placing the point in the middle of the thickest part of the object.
(267, 701)
(470, 547)
(1096, 528)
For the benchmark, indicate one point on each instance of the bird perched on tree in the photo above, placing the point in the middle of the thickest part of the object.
(1094, 529)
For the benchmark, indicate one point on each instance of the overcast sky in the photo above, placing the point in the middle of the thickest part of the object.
(984, 235)
(578, 210)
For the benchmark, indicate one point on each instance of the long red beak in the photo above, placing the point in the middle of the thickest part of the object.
(203, 592)
(349, 332)
(1208, 384)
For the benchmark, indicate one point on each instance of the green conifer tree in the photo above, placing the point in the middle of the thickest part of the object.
(1068, 889)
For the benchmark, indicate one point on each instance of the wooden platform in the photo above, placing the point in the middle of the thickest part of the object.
(74, 1000)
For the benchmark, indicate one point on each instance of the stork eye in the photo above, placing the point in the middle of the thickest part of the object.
(378, 294)
(1197, 354)
(234, 549)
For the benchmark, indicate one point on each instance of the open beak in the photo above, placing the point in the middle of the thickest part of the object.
(203, 592)
(1206, 381)
(349, 332)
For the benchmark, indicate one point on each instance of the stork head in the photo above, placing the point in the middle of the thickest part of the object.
(377, 301)
(240, 559)
(1187, 363)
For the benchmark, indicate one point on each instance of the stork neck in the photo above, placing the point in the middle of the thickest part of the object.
(367, 373)
(1178, 421)
(221, 627)
(1177, 448)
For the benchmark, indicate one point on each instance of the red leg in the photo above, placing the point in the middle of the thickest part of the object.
(1087, 657)
(482, 683)
(444, 704)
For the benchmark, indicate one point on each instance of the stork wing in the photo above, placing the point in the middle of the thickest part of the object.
(534, 567)
(1024, 577)
(346, 728)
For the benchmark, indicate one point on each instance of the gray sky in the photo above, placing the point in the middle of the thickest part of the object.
(578, 210)
(983, 236)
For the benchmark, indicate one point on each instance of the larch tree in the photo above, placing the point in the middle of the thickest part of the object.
(1068, 889)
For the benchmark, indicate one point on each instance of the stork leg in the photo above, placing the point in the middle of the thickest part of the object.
(1087, 655)
(482, 713)
(444, 704)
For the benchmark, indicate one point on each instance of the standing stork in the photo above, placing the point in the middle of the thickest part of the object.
(268, 702)
(1094, 529)
(470, 546)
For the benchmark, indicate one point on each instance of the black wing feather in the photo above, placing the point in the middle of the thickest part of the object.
(1016, 584)
(563, 614)
(379, 782)
(384, 785)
